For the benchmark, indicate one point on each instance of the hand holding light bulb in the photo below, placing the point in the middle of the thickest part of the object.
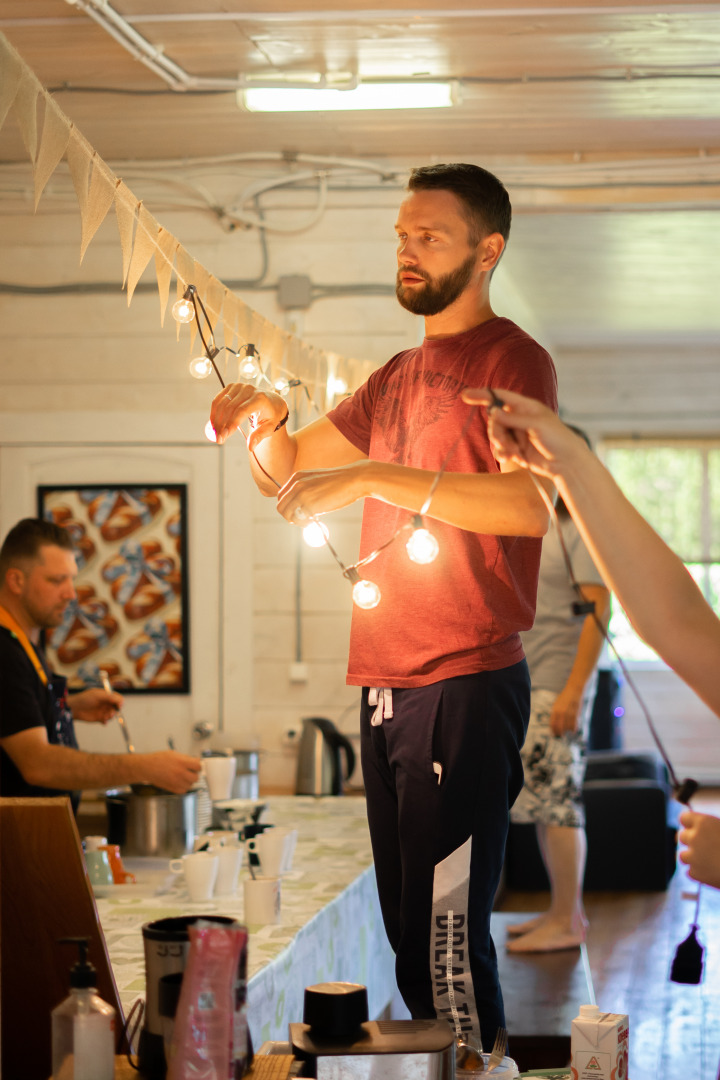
(243, 401)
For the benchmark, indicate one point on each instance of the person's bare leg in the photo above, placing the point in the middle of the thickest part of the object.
(515, 929)
(564, 924)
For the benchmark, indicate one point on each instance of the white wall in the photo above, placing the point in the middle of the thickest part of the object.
(85, 374)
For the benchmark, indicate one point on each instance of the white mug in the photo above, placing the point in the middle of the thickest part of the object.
(220, 774)
(229, 863)
(262, 901)
(200, 869)
(275, 848)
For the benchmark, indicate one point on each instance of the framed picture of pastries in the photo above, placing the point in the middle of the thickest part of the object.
(130, 616)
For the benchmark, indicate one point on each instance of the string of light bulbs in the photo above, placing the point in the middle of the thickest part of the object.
(421, 545)
(422, 548)
(185, 310)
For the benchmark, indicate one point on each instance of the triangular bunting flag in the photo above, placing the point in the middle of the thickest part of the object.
(184, 269)
(273, 343)
(244, 321)
(201, 280)
(214, 301)
(257, 328)
(53, 144)
(79, 156)
(126, 206)
(100, 196)
(143, 248)
(11, 69)
(230, 318)
(26, 111)
(167, 245)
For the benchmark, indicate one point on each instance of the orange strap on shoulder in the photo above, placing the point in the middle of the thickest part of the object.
(10, 623)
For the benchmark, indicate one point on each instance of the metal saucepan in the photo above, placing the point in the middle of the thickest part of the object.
(146, 820)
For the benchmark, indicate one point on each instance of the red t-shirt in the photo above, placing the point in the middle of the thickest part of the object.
(462, 613)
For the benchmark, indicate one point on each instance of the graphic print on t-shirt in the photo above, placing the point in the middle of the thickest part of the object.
(401, 426)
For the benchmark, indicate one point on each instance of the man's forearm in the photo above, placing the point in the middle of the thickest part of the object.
(272, 461)
(498, 504)
(63, 767)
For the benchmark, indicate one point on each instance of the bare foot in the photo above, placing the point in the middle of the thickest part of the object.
(525, 927)
(551, 936)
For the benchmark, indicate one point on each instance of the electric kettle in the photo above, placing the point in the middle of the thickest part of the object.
(319, 770)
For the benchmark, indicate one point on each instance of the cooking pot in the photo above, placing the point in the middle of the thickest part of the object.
(147, 820)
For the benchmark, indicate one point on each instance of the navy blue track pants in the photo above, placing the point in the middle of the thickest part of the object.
(441, 774)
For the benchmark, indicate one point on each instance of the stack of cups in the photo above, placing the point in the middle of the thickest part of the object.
(213, 872)
(273, 848)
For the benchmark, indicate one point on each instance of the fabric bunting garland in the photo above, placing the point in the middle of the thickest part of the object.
(143, 239)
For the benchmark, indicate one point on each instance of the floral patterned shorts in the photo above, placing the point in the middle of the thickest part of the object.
(554, 769)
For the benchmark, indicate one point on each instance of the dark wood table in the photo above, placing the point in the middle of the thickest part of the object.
(542, 994)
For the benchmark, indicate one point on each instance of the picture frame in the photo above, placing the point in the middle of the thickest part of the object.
(130, 617)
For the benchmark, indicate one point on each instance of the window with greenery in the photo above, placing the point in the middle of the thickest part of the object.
(676, 486)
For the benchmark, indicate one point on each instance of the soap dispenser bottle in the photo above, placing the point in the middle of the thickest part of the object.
(83, 1026)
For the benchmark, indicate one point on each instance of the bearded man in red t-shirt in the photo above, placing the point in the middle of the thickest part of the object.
(446, 693)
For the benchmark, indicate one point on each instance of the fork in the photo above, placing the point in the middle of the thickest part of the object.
(498, 1050)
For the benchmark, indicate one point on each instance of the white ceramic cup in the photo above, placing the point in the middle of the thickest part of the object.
(229, 862)
(262, 901)
(200, 869)
(275, 848)
(220, 773)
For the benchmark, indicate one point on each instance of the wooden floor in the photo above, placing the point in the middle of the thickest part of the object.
(674, 1028)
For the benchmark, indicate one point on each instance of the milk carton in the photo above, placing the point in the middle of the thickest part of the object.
(599, 1045)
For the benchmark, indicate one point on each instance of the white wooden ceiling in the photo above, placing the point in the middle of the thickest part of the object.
(603, 119)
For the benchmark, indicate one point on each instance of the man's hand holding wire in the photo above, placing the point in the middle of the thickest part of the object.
(243, 401)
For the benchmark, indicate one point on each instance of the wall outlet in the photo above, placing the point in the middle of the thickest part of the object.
(298, 673)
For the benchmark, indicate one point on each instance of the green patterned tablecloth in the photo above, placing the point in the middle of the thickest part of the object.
(331, 927)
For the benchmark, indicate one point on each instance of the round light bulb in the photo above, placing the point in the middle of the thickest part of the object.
(282, 386)
(315, 534)
(210, 432)
(366, 594)
(336, 386)
(200, 367)
(249, 368)
(422, 547)
(183, 311)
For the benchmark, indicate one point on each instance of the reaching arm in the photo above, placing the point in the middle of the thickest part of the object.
(319, 470)
(46, 765)
(662, 601)
(501, 504)
(567, 705)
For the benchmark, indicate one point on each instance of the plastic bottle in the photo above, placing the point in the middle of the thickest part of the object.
(83, 1026)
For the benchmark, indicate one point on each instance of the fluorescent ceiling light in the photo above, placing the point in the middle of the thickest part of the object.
(410, 95)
